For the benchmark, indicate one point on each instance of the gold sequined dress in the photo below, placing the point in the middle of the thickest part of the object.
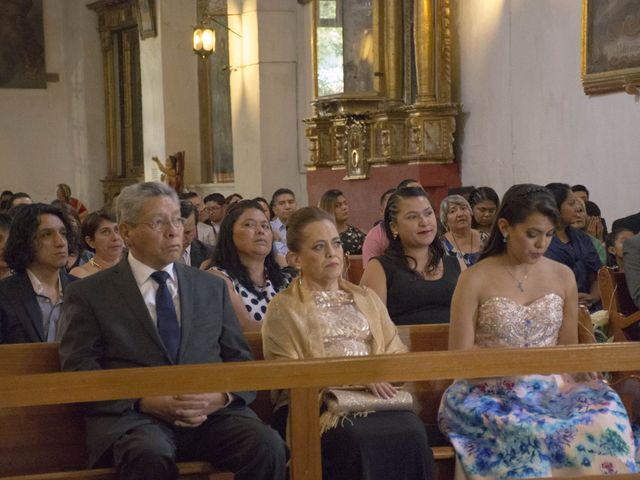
(383, 445)
(535, 425)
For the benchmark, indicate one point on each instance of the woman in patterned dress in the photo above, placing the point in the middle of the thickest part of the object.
(243, 257)
(460, 240)
(534, 425)
(352, 238)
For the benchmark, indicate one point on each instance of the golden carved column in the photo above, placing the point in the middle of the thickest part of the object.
(109, 102)
(393, 60)
(425, 42)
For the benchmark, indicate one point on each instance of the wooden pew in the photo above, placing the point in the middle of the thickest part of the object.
(56, 433)
(355, 269)
(623, 313)
(304, 379)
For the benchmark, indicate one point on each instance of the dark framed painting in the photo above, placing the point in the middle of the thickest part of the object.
(610, 45)
(22, 45)
(145, 12)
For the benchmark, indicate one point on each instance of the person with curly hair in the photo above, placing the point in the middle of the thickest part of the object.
(37, 250)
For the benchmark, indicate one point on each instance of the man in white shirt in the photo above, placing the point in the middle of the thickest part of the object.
(194, 251)
(283, 204)
(150, 310)
(206, 233)
(214, 206)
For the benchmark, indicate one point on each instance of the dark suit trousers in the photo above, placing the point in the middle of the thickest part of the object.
(239, 442)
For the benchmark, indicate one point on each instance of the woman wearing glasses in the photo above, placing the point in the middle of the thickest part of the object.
(244, 259)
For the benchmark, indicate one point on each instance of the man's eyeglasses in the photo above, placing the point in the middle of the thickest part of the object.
(160, 224)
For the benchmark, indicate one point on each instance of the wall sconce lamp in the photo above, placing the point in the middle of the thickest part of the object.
(204, 40)
(204, 36)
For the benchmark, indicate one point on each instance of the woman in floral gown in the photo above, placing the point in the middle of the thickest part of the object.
(534, 425)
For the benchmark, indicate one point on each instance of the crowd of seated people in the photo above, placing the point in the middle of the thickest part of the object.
(134, 280)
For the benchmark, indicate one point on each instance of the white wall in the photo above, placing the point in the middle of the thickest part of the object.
(525, 115)
(56, 135)
(266, 118)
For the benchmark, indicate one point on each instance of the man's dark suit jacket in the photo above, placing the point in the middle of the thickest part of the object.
(20, 315)
(200, 251)
(106, 324)
(632, 222)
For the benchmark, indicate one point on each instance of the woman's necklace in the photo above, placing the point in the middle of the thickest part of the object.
(94, 263)
(458, 246)
(519, 282)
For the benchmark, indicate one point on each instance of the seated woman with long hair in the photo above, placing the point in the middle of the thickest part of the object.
(573, 247)
(243, 257)
(321, 315)
(528, 426)
(484, 202)
(414, 277)
(335, 203)
(100, 235)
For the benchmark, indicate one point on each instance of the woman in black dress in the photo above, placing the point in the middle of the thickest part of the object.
(414, 277)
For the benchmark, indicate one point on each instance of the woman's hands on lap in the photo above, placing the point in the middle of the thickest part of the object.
(382, 390)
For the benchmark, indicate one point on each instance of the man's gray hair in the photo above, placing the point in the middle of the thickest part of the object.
(131, 199)
(447, 202)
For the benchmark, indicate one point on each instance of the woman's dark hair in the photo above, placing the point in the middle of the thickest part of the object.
(264, 200)
(5, 221)
(16, 196)
(92, 223)
(404, 183)
(228, 200)
(76, 225)
(328, 200)
(518, 203)
(226, 254)
(299, 220)
(20, 250)
(482, 194)
(395, 250)
(610, 241)
(560, 192)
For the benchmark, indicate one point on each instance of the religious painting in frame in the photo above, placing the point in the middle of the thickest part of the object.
(145, 12)
(22, 45)
(610, 45)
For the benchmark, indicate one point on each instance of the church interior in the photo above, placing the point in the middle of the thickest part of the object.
(505, 74)
(252, 96)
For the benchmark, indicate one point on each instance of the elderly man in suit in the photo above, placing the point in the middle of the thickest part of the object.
(150, 310)
(36, 250)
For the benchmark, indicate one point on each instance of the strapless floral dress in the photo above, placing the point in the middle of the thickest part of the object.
(534, 425)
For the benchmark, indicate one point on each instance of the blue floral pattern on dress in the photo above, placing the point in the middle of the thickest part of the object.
(535, 425)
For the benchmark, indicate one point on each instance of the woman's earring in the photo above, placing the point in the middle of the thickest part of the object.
(395, 236)
(505, 237)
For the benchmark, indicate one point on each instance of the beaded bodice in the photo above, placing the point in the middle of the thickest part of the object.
(345, 329)
(502, 322)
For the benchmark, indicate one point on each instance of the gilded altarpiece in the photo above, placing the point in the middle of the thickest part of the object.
(382, 72)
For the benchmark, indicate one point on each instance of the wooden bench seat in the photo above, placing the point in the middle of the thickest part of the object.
(56, 433)
(303, 379)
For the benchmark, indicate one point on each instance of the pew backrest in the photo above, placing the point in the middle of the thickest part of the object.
(56, 432)
(623, 312)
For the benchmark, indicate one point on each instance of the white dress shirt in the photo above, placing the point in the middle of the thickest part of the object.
(149, 287)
